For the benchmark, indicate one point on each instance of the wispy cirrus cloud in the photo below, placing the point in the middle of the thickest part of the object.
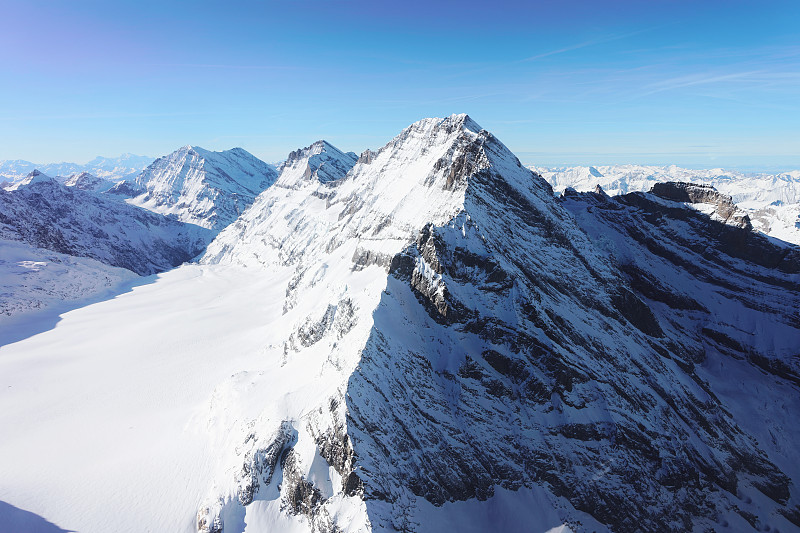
(586, 44)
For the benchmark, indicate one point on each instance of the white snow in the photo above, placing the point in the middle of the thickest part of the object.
(210, 189)
(771, 200)
(33, 279)
(137, 412)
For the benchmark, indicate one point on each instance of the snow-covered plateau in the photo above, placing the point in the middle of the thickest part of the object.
(422, 338)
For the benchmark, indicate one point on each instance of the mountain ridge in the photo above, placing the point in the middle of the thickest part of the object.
(431, 336)
(201, 187)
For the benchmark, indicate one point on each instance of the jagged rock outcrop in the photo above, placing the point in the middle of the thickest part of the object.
(704, 194)
(770, 201)
(321, 161)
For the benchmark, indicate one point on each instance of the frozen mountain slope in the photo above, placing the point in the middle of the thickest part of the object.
(517, 353)
(71, 221)
(32, 279)
(320, 161)
(88, 182)
(431, 342)
(210, 189)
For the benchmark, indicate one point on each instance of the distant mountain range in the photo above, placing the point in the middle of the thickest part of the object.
(772, 201)
(163, 217)
(125, 166)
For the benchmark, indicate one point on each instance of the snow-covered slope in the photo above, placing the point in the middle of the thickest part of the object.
(68, 220)
(321, 161)
(33, 279)
(35, 176)
(431, 342)
(771, 200)
(88, 182)
(210, 189)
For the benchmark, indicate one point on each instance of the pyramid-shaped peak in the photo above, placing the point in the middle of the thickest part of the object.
(320, 161)
(202, 187)
(35, 176)
(434, 131)
(312, 149)
(454, 122)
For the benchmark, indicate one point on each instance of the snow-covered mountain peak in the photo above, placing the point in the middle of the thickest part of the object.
(421, 176)
(320, 161)
(432, 334)
(88, 182)
(210, 189)
(33, 177)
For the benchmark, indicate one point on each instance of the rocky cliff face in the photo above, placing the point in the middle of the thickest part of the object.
(771, 201)
(722, 204)
(71, 221)
(471, 336)
(321, 161)
(209, 189)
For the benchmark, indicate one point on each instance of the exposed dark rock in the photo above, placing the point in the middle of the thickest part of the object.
(705, 194)
(259, 463)
(82, 223)
(637, 313)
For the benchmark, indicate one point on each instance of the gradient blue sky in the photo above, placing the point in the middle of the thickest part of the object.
(692, 83)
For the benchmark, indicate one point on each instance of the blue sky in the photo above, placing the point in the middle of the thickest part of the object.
(692, 83)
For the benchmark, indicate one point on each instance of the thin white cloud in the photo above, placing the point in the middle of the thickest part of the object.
(585, 44)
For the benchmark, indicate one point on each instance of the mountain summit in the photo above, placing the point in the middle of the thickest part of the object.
(473, 336)
(321, 161)
(210, 189)
(431, 340)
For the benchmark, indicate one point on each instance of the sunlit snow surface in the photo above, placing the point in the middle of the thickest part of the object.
(133, 413)
(112, 404)
(136, 413)
(116, 419)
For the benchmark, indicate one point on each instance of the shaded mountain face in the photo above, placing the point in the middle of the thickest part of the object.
(631, 362)
(209, 189)
(68, 220)
(771, 201)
